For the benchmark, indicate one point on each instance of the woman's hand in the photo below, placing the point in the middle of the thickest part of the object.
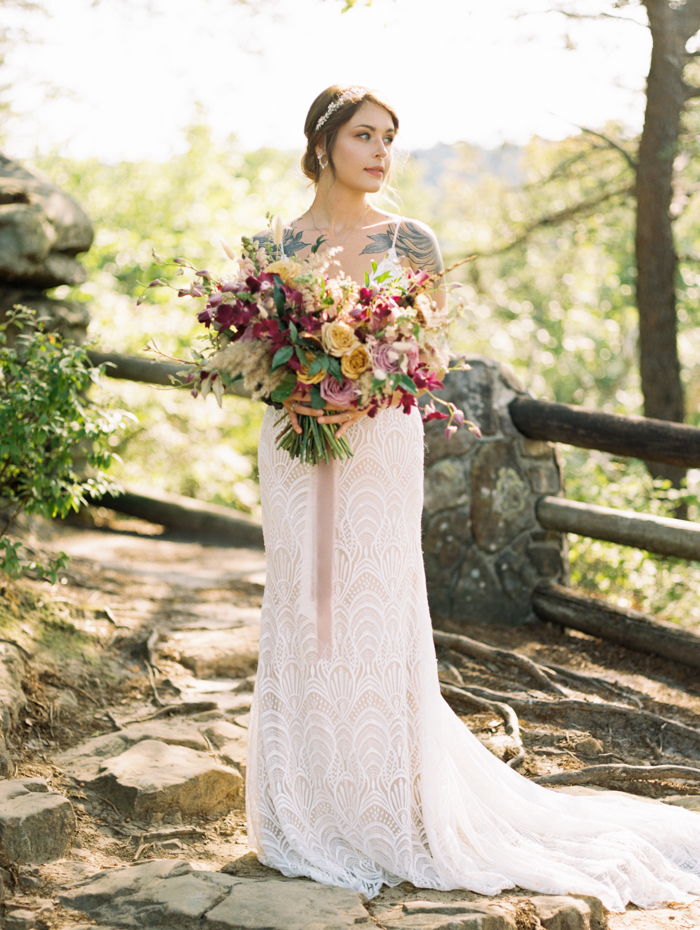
(346, 417)
(296, 406)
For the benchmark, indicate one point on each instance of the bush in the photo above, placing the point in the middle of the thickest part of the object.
(53, 441)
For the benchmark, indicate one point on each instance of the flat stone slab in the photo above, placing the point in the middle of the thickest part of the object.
(85, 760)
(218, 653)
(36, 825)
(170, 893)
(153, 777)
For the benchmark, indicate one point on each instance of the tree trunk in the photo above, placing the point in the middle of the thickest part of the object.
(655, 252)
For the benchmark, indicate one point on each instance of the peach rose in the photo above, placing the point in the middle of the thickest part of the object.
(303, 373)
(286, 268)
(355, 362)
(338, 338)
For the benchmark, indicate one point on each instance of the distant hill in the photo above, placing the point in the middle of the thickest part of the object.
(504, 162)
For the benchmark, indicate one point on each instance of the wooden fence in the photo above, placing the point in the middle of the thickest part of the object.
(638, 437)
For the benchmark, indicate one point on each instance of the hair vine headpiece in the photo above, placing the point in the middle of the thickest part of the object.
(334, 105)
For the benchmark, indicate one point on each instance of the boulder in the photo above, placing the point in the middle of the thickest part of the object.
(41, 229)
(154, 778)
(36, 825)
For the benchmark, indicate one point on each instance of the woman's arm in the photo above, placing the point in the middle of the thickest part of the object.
(420, 246)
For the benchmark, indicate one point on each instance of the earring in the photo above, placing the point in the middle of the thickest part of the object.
(322, 164)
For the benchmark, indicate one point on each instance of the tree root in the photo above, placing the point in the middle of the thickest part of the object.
(483, 653)
(684, 736)
(594, 681)
(510, 718)
(603, 774)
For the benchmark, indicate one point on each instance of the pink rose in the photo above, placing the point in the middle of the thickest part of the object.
(386, 357)
(334, 393)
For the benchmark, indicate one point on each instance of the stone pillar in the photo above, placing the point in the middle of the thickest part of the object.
(42, 229)
(484, 549)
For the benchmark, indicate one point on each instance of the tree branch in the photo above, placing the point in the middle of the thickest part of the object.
(614, 145)
(689, 91)
(561, 216)
(570, 15)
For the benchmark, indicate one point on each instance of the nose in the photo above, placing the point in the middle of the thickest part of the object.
(382, 150)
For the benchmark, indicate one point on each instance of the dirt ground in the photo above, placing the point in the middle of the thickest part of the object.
(127, 579)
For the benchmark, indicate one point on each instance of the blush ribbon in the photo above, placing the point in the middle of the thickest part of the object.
(324, 543)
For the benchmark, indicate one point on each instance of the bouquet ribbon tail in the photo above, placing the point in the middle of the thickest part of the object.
(326, 493)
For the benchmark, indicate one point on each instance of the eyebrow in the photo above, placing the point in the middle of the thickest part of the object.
(373, 128)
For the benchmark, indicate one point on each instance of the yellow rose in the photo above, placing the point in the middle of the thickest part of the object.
(338, 338)
(286, 268)
(303, 373)
(354, 363)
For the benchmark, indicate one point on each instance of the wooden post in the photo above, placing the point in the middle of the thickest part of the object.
(677, 538)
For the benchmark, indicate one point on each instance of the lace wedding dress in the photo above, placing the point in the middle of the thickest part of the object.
(359, 773)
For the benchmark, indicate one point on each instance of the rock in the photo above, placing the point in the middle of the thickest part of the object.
(503, 505)
(569, 913)
(84, 761)
(20, 919)
(167, 893)
(12, 698)
(287, 905)
(691, 802)
(231, 742)
(41, 229)
(218, 653)
(7, 765)
(445, 486)
(154, 778)
(36, 825)
(590, 746)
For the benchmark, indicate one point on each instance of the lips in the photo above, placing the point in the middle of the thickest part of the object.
(375, 172)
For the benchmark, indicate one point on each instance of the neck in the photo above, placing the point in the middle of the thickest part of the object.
(336, 209)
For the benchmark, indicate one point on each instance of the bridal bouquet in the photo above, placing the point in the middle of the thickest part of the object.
(286, 327)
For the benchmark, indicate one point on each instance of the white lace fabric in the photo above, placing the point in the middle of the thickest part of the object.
(359, 774)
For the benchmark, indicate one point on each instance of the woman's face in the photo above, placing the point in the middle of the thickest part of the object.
(362, 148)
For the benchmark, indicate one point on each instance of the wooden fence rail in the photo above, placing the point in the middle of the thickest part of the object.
(638, 437)
(661, 535)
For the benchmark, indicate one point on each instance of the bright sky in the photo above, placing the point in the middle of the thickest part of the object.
(454, 70)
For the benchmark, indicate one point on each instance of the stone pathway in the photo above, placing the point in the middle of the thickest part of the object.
(144, 826)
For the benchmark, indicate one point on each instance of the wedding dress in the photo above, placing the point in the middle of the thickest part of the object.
(359, 773)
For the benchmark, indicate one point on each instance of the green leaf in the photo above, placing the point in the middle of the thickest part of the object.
(281, 357)
(285, 389)
(317, 402)
(316, 366)
(279, 296)
(335, 369)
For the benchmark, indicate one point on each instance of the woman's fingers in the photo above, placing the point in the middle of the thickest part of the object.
(295, 409)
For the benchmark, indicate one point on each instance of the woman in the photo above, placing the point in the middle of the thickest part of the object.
(359, 774)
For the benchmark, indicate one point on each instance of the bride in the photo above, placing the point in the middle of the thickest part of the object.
(359, 774)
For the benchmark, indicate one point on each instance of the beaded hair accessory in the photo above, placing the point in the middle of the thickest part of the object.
(349, 94)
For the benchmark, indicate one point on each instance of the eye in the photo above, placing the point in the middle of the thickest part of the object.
(363, 135)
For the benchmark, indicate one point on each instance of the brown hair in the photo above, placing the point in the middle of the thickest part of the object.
(326, 134)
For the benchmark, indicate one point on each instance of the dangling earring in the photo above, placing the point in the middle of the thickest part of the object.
(322, 164)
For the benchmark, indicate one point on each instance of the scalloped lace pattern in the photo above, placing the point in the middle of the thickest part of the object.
(359, 774)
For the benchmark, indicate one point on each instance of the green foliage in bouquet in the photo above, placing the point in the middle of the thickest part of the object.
(49, 432)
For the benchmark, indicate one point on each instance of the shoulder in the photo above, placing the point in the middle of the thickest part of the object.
(419, 244)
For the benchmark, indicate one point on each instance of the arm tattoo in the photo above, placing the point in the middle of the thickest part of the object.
(293, 242)
(413, 242)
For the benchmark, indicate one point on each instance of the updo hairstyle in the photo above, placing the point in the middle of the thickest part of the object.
(325, 136)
